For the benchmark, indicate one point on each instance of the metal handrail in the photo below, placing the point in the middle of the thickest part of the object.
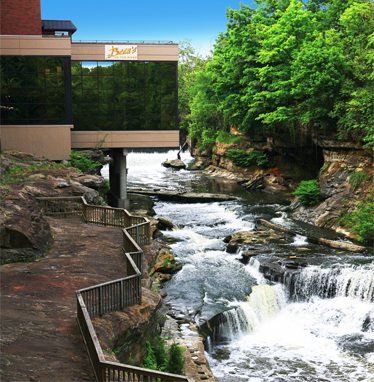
(111, 296)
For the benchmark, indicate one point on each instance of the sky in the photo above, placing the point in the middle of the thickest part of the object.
(198, 21)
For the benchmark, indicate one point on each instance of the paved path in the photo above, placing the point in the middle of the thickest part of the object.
(40, 339)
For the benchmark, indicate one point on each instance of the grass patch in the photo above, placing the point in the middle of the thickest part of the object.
(357, 178)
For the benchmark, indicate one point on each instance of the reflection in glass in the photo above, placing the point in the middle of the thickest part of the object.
(35, 64)
(168, 82)
(137, 123)
(167, 68)
(105, 68)
(124, 95)
(153, 109)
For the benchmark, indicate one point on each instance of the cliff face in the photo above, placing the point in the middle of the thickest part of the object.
(310, 155)
(336, 192)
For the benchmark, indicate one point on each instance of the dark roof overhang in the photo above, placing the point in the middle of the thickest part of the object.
(58, 26)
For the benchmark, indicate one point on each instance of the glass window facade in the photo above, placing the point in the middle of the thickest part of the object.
(124, 95)
(32, 90)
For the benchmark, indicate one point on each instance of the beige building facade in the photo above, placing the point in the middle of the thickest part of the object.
(55, 140)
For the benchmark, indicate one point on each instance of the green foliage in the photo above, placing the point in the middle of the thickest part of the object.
(361, 220)
(308, 192)
(14, 170)
(104, 189)
(324, 168)
(357, 178)
(176, 360)
(19, 174)
(83, 163)
(158, 358)
(159, 348)
(285, 66)
(224, 137)
(150, 362)
(248, 158)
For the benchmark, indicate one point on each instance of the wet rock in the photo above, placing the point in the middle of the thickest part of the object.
(246, 239)
(164, 223)
(232, 247)
(141, 205)
(200, 163)
(161, 277)
(176, 164)
(165, 263)
(186, 197)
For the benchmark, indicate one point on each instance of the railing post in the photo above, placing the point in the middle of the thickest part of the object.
(137, 234)
(122, 295)
(100, 301)
(105, 217)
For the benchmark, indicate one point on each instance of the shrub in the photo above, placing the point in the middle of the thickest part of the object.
(357, 178)
(176, 360)
(159, 348)
(223, 137)
(248, 158)
(308, 192)
(83, 163)
(150, 361)
(157, 358)
(361, 220)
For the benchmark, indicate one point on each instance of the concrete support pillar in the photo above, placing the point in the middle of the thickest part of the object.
(118, 178)
(123, 201)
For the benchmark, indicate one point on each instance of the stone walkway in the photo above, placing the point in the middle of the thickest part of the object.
(40, 339)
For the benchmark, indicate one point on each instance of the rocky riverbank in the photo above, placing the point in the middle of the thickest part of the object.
(37, 244)
(333, 162)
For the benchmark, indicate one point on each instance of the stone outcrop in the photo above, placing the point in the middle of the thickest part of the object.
(164, 266)
(309, 155)
(25, 233)
(176, 164)
(335, 191)
(250, 242)
(125, 332)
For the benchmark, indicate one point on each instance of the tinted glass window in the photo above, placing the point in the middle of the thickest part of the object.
(124, 95)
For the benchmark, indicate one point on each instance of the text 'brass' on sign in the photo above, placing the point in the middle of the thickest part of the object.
(121, 52)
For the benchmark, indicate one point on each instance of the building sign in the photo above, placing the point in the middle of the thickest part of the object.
(121, 52)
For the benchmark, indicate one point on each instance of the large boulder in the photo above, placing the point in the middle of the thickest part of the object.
(176, 164)
(165, 263)
(25, 234)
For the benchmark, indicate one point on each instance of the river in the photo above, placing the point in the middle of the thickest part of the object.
(271, 332)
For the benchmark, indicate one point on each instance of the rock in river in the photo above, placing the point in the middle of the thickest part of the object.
(177, 164)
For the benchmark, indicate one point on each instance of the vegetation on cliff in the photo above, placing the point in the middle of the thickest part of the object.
(161, 358)
(285, 67)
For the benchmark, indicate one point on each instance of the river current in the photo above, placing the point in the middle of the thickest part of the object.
(270, 332)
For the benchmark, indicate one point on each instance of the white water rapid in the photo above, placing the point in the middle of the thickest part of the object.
(317, 326)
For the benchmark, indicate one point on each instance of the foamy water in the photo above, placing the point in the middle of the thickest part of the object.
(319, 326)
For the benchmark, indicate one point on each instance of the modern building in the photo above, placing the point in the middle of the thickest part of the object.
(58, 94)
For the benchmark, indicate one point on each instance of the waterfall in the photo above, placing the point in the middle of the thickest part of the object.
(262, 305)
(354, 281)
